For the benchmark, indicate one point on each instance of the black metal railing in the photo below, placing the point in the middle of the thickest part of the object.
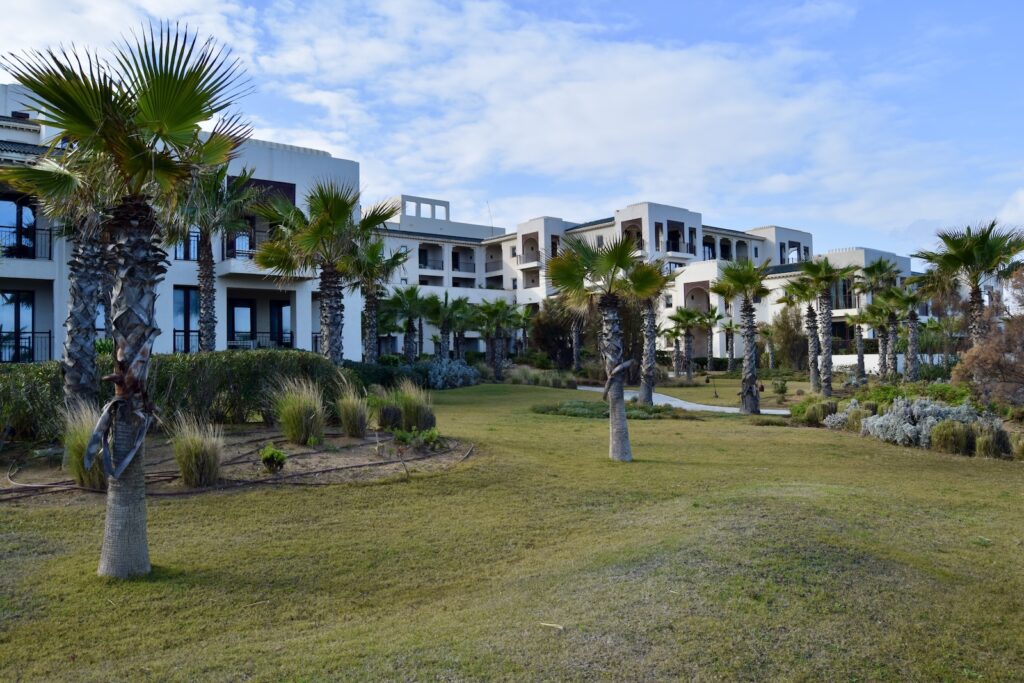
(431, 264)
(260, 340)
(493, 266)
(691, 248)
(25, 347)
(243, 246)
(28, 243)
(186, 341)
(465, 267)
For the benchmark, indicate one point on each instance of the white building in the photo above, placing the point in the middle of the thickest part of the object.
(479, 262)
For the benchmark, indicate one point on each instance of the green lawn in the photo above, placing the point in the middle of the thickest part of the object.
(726, 551)
(728, 392)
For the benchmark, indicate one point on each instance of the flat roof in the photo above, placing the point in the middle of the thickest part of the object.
(591, 224)
(434, 236)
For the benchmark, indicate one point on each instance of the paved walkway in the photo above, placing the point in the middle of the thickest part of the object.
(662, 399)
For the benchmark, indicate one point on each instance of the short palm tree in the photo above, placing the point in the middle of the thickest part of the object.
(584, 272)
(873, 279)
(674, 336)
(653, 273)
(684, 320)
(495, 320)
(214, 204)
(440, 313)
(877, 315)
(408, 306)
(824, 278)
(732, 329)
(462, 319)
(801, 292)
(138, 115)
(904, 303)
(745, 280)
(974, 255)
(369, 269)
(858, 321)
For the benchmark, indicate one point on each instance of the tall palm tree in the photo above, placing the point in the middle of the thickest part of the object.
(877, 314)
(973, 256)
(801, 292)
(824, 278)
(709, 321)
(873, 279)
(684, 320)
(745, 280)
(440, 313)
(369, 269)
(904, 303)
(653, 272)
(584, 272)
(214, 204)
(462, 318)
(139, 114)
(858, 321)
(731, 329)
(407, 305)
(496, 320)
(674, 336)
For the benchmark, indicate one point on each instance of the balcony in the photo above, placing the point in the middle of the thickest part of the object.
(464, 267)
(679, 247)
(25, 347)
(260, 340)
(493, 266)
(26, 243)
(431, 264)
(528, 260)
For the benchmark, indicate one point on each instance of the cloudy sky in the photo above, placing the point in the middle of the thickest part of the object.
(868, 123)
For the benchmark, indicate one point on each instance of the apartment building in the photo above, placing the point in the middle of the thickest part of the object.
(479, 262)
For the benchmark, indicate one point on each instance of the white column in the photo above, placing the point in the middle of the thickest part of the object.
(221, 306)
(302, 312)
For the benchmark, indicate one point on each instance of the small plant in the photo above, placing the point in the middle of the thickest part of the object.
(780, 388)
(1018, 447)
(870, 406)
(273, 458)
(197, 449)
(421, 441)
(299, 410)
(951, 436)
(413, 403)
(992, 441)
(79, 420)
(352, 411)
(389, 416)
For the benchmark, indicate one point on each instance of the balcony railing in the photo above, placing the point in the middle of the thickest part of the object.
(493, 266)
(681, 247)
(260, 340)
(25, 347)
(243, 246)
(31, 243)
(431, 264)
(464, 267)
(186, 341)
(528, 258)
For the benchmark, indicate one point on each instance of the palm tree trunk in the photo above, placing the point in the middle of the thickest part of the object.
(688, 343)
(648, 361)
(207, 295)
(770, 348)
(618, 430)
(577, 339)
(825, 331)
(489, 349)
(883, 351)
(976, 316)
(894, 334)
(409, 340)
(332, 315)
(85, 275)
(369, 325)
(141, 264)
(730, 342)
(445, 334)
(498, 355)
(677, 358)
(749, 395)
(711, 349)
(419, 337)
(912, 363)
(813, 346)
(858, 338)
(460, 345)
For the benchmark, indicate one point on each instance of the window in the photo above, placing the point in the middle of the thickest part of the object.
(241, 323)
(17, 322)
(515, 283)
(600, 241)
(405, 280)
(410, 208)
(755, 252)
(512, 251)
(441, 212)
(668, 301)
(18, 231)
(281, 323)
(186, 319)
(188, 248)
(807, 253)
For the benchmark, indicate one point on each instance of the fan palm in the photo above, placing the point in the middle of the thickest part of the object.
(731, 329)
(873, 279)
(974, 255)
(801, 292)
(214, 203)
(877, 314)
(369, 269)
(709, 321)
(858, 321)
(684, 320)
(745, 280)
(674, 336)
(440, 313)
(462, 319)
(407, 305)
(138, 114)
(824, 277)
(495, 319)
(584, 272)
(905, 303)
(654, 274)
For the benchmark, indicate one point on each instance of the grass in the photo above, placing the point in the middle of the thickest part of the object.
(299, 408)
(725, 551)
(197, 450)
(728, 392)
(79, 420)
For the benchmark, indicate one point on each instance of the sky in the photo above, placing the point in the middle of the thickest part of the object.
(868, 123)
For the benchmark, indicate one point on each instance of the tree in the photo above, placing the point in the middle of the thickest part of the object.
(583, 273)
(463, 316)
(652, 273)
(943, 294)
(139, 116)
(369, 269)
(767, 333)
(973, 256)
(731, 329)
(440, 313)
(858, 320)
(873, 279)
(673, 335)
(745, 280)
(496, 320)
(904, 303)
(994, 369)
(407, 305)
(876, 315)
(214, 203)
(801, 292)
(685, 320)
(824, 278)
(709, 321)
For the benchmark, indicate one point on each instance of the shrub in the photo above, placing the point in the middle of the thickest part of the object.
(420, 440)
(780, 388)
(352, 411)
(197, 449)
(953, 394)
(950, 436)
(870, 407)
(768, 422)
(413, 404)
(389, 360)
(814, 414)
(273, 458)
(855, 419)
(299, 408)
(389, 416)
(993, 441)
(1018, 447)
(451, 374)
(908, 423)
(31, 400)
(79, 420)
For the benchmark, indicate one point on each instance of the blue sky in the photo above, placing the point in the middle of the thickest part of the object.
(868, 123)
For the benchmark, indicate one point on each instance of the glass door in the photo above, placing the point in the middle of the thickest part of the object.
(17, 313)
(242, 323)
(186, 319)
(281, 323)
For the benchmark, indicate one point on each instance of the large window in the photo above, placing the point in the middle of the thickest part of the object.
(186, 319)
(18, 230)
(17, 310)
(188, 249)
(280, 323)
(242, 323)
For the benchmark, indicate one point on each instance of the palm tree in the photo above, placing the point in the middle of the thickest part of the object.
(858, 321)
(584, 272)
(765, 331)
(873, 279)
(731, 329)
(139, 115)
(876, 314)
(462, 319)
(653, 273)
(905, 303)
(973, 256)
(943, 294)
(801, 292)
(745, 280)
(824, 277)
(673, 335)
(709, 321)
(440, 313)
(369, 269)
(495, 321)
(684, 320)
(214, 203)
(407, 305)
